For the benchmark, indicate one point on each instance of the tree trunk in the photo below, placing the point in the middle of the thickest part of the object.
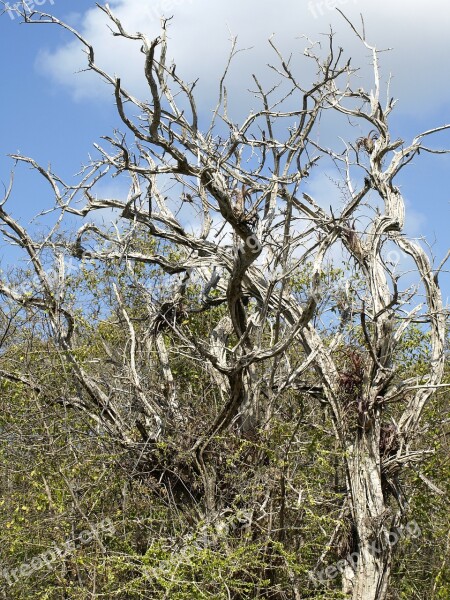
(371, 561)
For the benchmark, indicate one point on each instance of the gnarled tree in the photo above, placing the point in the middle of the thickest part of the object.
(272, 326)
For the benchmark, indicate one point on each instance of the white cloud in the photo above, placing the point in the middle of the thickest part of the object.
(199, 33)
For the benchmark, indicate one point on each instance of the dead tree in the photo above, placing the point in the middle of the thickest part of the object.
(268, 229)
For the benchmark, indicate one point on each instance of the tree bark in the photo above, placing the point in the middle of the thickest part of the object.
(373, 561)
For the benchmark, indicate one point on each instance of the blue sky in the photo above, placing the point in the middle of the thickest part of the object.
(54, 113)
